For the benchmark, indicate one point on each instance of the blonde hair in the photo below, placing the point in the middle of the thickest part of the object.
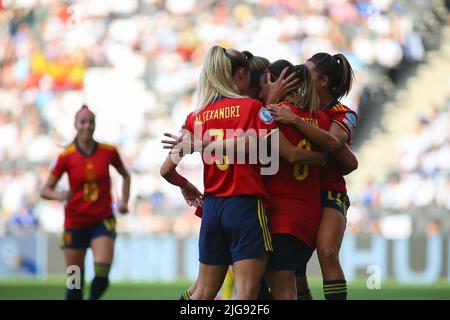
(216, 77)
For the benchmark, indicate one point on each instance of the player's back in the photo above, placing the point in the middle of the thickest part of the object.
(223, 119)
(294, 180)
(295, 190)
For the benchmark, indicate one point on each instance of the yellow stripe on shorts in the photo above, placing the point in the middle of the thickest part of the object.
(264, 227)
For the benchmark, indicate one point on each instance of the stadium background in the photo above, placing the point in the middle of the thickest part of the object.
(136, 62)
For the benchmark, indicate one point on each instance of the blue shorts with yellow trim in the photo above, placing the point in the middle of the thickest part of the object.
(80, 238)
(289, 253)
(336, 200)
(233, 229)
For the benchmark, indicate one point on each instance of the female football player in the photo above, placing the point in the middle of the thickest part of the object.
(333, 78)
(89, 220)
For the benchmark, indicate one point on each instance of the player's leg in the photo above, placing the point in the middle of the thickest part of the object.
(246, 224)
(74, 245)
(186, 295)
(289, 258)
(102, 245)
(303, 291)
(209, 281)
(214, 253)
(329, 239)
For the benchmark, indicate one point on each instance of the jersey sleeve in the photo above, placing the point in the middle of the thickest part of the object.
(188, 124)
(262, 120)
(57, 169)
(116, 160)
(347, 120)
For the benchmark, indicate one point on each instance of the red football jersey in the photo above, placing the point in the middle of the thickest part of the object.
(90, 183)
(331, 177)
(223, 179)
(295, 190)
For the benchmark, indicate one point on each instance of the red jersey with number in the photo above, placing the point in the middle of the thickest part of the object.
(90, 183)
(331, 176)
(223, 119)
(295, 190)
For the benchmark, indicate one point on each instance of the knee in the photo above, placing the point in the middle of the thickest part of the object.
(328, 254)
(203, 293)
(247, 291)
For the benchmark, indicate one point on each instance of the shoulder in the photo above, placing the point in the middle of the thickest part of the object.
(107, 147)
(248, 102)
(340, 108)
(70, 149)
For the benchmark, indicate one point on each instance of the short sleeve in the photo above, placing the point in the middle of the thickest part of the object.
(116, 160)
(59, 167)
(263, 120)
(347, 120)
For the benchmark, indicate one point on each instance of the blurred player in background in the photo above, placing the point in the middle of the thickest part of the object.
(89, 220)
(333, 77)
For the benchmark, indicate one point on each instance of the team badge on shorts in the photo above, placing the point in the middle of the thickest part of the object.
(265, 116)
(68, 238)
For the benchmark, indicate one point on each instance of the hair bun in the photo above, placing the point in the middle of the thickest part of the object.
(248, 55)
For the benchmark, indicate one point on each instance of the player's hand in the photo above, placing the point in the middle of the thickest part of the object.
(180, 145)
(193, 197)
(282, 114)
(282, 86)
(65, 195)
(123, 207)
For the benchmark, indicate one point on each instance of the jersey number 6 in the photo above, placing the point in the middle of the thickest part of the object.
(302, 174)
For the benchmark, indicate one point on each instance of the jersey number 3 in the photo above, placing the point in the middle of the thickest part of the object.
(218, 133)
(301, 171)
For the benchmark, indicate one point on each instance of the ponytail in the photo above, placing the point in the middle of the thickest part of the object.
(337, 69)
(216, 77)
(344, 80)
(305, 95)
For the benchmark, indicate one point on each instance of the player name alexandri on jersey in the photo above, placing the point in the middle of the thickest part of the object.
(260, 148)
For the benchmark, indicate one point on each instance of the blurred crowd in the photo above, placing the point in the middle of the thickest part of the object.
(136, 63)
(416, 195)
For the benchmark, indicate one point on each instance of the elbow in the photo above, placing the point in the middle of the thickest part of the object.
(43, 194)
(164, 172)
(334, 145)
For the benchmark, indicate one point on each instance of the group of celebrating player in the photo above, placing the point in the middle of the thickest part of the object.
(265, 226)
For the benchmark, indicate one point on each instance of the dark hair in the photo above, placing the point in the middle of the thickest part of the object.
(338, 69)
(238, 60)
(304, 93)
(257, 65)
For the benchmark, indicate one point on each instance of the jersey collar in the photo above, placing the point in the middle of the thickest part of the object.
(84, 153)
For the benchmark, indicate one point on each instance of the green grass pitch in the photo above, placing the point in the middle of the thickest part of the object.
(53, 289)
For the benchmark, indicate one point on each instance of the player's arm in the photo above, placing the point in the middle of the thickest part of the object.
(346, 158)
(330, 141)
(168, 171)
(294, 154)
(126, 184)
(48, 191)
(187, 144)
